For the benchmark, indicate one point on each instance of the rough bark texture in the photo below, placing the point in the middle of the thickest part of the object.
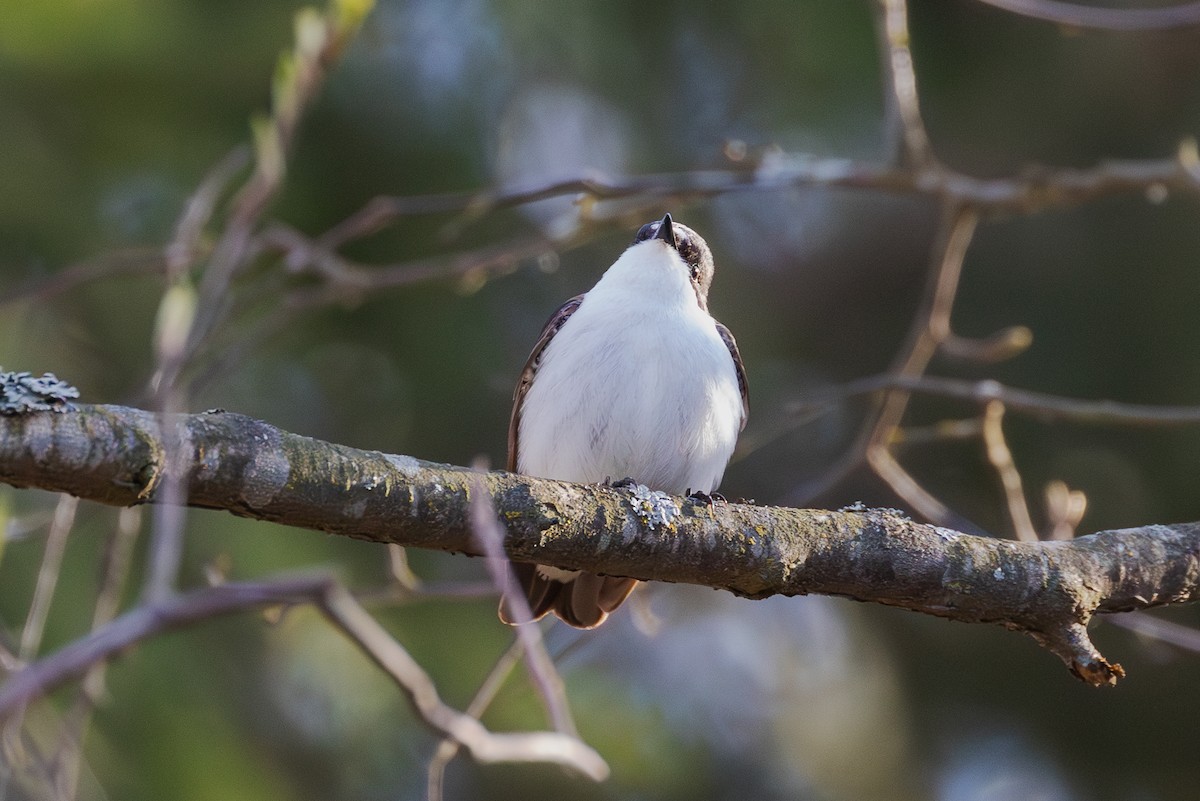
(1050, 590)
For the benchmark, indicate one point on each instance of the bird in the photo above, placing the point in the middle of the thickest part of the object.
(632, 380)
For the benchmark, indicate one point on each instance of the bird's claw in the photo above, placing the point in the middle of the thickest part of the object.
(711, 499)
(621, 483)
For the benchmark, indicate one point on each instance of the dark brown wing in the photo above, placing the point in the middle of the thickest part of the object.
(585, 601)
(551, 328)
(541, 593)
(743, 384)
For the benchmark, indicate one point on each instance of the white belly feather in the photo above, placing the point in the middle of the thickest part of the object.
(636, 391)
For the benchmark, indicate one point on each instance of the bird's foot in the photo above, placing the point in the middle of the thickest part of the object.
(621, 483)
(711, 499)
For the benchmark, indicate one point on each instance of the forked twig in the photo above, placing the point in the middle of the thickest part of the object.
(341, 609)
(448, 749)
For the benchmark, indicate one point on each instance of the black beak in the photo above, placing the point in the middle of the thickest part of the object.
(666, 232)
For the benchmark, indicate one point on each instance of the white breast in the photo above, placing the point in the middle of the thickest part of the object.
(637, 384)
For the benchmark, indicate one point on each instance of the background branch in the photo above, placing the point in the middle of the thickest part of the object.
(1040, 405)
(340, 608)
(1112, 19)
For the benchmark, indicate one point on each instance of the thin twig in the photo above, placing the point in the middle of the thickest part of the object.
(119, 554)
(565, 749)
(1005, 344)
(1065, 508)
(398, 569)
(183, 249)
(176, 319)
(12, 740)
(35, 625)
(127, 261)
(341, 609)
(1029, 193)
(931, 327)
(320, 40)
(1109, 19)
(56, 545)
(168, 520)
(455, 591)
(542, 673)
(1001, 459)
(1039, 405)
(941, 431)
(914, 494)
(901, 100)
(1175, 634)
(345, 279)
(1034, 190)
(342, 282)
(447, 749)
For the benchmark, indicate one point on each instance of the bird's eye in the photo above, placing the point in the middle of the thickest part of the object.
(690, 255)
(646, 232)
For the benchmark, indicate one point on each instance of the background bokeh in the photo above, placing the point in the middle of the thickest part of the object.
(112, 111)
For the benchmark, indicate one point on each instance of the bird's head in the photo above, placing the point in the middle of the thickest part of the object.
(686, 247)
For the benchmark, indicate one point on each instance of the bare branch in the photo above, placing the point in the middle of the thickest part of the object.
(1001, 459)
(1064, 510)
(1034, 190)
(900, 79)
(1041, 405)
(138, 260)
(556, 747)
(1111, 19)
(319, 41)
(542, 673)
(1049, 590)
(187, 316)
(345, 279)
(448, 749)
(343, 611)
(184, 247)
(47, 581)
(69, 753)
(886, 466)
(930, 328)
(1176, 634)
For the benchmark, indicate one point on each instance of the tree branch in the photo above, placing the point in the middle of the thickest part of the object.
(344, 612)
(1049, 590)
(1034, 190)
(1039, 405)
(1111, 19)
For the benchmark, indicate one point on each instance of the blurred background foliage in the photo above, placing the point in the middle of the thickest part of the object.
(112, 111)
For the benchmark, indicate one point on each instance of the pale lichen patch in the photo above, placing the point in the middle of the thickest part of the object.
(406, 465)
(655, 509)
(267, 473)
